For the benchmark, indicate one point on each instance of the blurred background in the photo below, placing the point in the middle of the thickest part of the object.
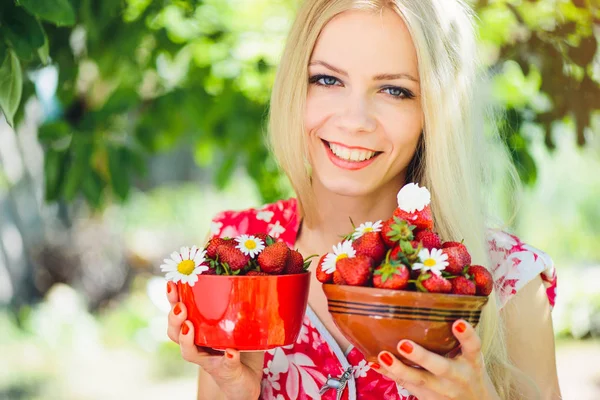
(127, 124)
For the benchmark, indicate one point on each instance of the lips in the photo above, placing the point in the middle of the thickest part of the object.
(351, 158)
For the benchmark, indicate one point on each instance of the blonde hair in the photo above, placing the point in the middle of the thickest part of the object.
(449, 160)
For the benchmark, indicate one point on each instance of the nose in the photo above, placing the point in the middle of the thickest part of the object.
(355, 116)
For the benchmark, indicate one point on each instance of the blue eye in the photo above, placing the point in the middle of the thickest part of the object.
(325, 78)
(328, 81)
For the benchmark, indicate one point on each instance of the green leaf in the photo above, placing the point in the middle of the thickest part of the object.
(44, 51)
(54, 131)
(23, 31)
(81, 152)
(92, 188)
(119, 173)
(3, 50)
(54, 167)
(11, 86)
(120, 101)
(59, 12)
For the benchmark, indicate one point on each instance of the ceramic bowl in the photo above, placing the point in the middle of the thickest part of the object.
(246, 313)
(375, 319)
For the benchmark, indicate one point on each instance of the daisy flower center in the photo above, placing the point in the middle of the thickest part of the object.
(250, 244)
(341, 256)
(430, 262)
(369, 229)
(186, 267)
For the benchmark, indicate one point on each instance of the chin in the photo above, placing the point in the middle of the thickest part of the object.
(344, 185)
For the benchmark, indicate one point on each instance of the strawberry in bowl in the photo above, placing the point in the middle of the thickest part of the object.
(247, 293)
(402, 282)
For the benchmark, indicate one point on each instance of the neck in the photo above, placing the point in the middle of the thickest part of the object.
(332, 219)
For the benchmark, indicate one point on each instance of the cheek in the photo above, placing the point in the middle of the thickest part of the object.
(316, 111)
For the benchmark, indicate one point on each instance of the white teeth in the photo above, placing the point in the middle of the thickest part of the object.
(350, 154)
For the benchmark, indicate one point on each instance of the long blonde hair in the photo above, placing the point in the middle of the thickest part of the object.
(449, 160)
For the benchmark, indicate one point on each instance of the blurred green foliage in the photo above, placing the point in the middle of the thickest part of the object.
(140, 77)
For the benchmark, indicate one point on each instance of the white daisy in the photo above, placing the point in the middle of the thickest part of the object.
(413, 198)
(434, 261)
(249, 245)
(185, 266)
(367, 227)
(341, 250)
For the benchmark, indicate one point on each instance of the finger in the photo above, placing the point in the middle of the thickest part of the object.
(432, 362)
(232, 366)
(402, 373)
(172, 294)
(469, 340)
(189, 350)
(177, 315)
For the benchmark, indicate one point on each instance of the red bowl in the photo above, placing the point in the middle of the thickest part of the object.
(248, 313)
(377, 319)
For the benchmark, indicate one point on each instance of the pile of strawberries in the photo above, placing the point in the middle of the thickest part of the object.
(404, 253)
(228, 256)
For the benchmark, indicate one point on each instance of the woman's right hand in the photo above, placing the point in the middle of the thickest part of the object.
(238, 375)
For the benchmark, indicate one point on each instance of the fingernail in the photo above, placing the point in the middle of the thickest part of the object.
(229, 355)
(406, 347)
(168, 287)
(177, 309)
(375, 366)
(185, 329)
(387, 359)
(460, 327)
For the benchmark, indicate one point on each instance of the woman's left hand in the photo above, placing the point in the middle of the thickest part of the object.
(463, 377)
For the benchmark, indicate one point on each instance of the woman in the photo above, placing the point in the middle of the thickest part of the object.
(371, 95)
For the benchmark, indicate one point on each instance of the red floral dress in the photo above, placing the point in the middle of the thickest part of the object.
(300, 370)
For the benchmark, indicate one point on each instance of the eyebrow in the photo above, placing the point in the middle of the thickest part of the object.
(379, 77)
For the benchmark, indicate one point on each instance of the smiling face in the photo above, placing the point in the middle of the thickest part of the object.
(363, 113)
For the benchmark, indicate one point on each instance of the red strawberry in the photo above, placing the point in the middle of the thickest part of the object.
(214, 243)
(370, 244)
(484, 282)
(395, 229)
(390, 276)
(294, 264)
(231, 256)
(323, 276)
(432, 283)
(356, 271)
(264, 237)
(458, 257)
(337, 278)
(463, 285)
(386, 228)
(273, 258)
(421, 219)
(257, 273)
(429, 239)
(394, 253)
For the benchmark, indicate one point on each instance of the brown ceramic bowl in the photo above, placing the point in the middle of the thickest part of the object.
(375, 319)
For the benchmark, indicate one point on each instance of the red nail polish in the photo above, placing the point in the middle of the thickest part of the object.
(460, 327)
(375, 366)
(185, 329)
(387, 359)
(177, 309)
(168, 287)
(406, 347)
(229, 355)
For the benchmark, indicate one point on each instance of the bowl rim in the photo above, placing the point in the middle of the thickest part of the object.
(399, 292)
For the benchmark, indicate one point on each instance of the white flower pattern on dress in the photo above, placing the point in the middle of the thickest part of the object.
(276, 229)
(265, 215)
(360, 370)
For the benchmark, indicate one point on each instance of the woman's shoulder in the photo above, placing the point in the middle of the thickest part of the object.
(515, 263)
(278, 219)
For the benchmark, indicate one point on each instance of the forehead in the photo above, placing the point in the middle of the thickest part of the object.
(377, 42)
